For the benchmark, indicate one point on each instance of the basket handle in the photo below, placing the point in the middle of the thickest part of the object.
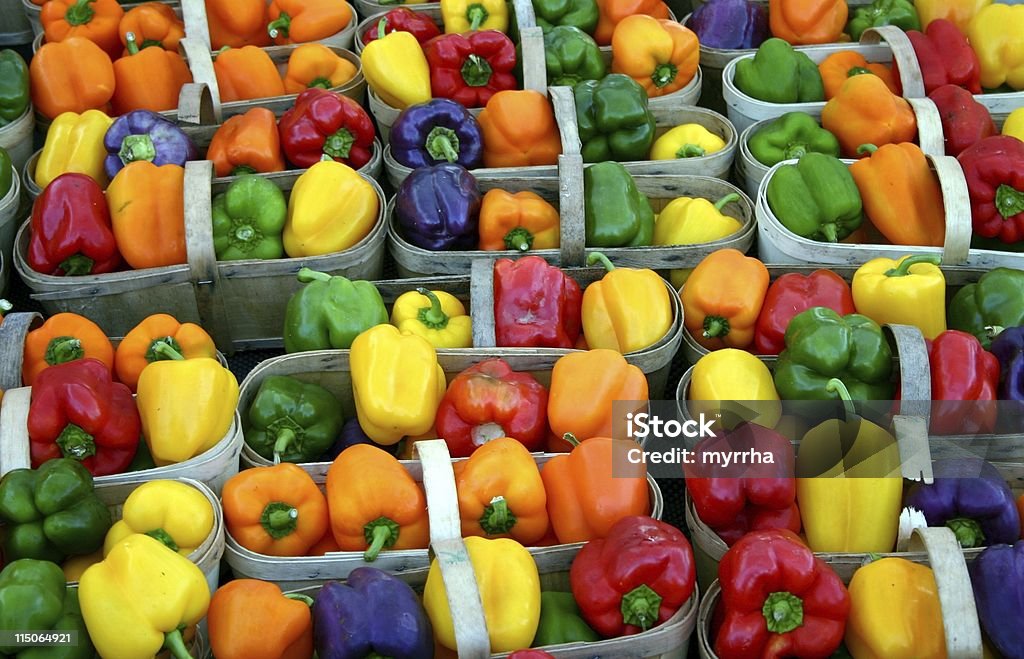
(957, 202)
(526, 17)
(902, 53)
(910, 425)
(195, 105)
(572, 209)
(929, 126)
(13, 330)
(481, 303)
(564, 104)
(197, 27)
(200, 62)
(14, 450)
(535, 70)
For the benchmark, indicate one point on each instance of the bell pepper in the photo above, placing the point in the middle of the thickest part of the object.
(244, 610)
(71, 231)
(442, 321)
(292, 421)
(74, 144)
(34, 596)
(519, 130)
(73, 75)
(124, 617)
(791, 136)
(148, 79)
(147, 211)
(300, 21)
(316, 65)
(153, 24)
(994, 33)
(397, 383)
(993, 301)
(965, 121)
(326, 124)
(616, 213)
(350, 435)
(694, 220)
(571, 55)
(95, 20)
(462, 16)
(900, 13)
(779, 74)
(536, 305)
(176, 514)
(561, 622)
(1014, 124)
(806, 22)
(613, 119)
(612, 12)
(959, 12)
(623, 597)
(145, 135)
(660, 55)
(965, 381)
(793, 293)
(1008, 348)
(730, 24)
(722, 299)
(438, 130)
(237, 23)
(731, 374)
(186, 405)
(64, 337)
(51, 513)
(944, 57)
(331, 208)
(865, 111)
(907, 291)
(374, 503)
(396, 68)
(438, 208)
(816, 198)
(628, 310)
(471, 68)
(14, 96)
(996, 580)
(686, 141)
(248, 219)
(138, 348)
(518, 221)
(246, 73)
(403, 19)
(329, 312)
(994, 169)
(581, 14)
(837, 67)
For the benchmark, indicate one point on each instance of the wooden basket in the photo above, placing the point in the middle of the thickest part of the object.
(10, 218)
(16, 137)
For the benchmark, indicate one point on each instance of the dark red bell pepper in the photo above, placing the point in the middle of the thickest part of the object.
(536, 305)
(945, 58)
(79, 412)
(71, 230)
(403, 19)
(470, 68)
(489, 400)
(791, 294)
(633, 579)
(779, 600)
(994, 169)
(964, 120)
(324, 123)
(965, 384)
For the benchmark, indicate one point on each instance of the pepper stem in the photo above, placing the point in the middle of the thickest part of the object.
(164, 350)
(321, 82)
(715, 327)
(519, 239)
(836, 386)
(726, 200)
(903, 269)
(130, 43)
(640, 607)
(597, 257)
(164, 537)
(380, 534)
(664, 74)
(857, 71)
(305, 599)
(476, 14)
(968, 532)
(1009, 201)
(279, 519)
(690, 151)
(381, 25)
(866, 148)
(571, 438)
(153, 355)
(783, 612)
(307, 275)
(442, 144)
(76, 443)
(476, 71)
(79, 13)
(340, 144)
(830, 232)
(77, 264)
(63, 349)
(174, 643)
(433, 316)
(497, 518)
(5, 306)
(285, 438)
(280, 27)
(794, 151)
(137, 147)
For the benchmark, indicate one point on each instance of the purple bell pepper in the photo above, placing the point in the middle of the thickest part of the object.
(997, 576)
(352, 434)
(972, 498)
(437, 131)
(1008, 347)
(730, 24)
(372, 614)
(438, 208)
(145, 135)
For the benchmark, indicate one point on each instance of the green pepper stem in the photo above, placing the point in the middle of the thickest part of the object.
(664, 74)
(866, 148)
(715, 327)
(497, 519)
(381, 26)
(830, 232)
(130, 43)
(442, 144)
(285, 438)
(76, 265)
(76, 443)
(571, 438)
(150, 43)
(305, 599)
(164, 537)
(176, 645)
(433, 316)
(63, 349)
(968, 532)
(476, 71)
(380, 534)
(476, 14)
(903, 269)
(339, 145)
(137, 147)
(993, 330)
(307, 275)
(640, 607)
(80, 13)
(1009, 201)
(690, 151)
(5, 306)
(724, 201)
(519, 239)
(783, 612)
(836, 386)
(280, 27)
(164, 350)
(597, 257)
(794, 151)
(857, 71)
(321, 82)
(279, 519)
(152, 355)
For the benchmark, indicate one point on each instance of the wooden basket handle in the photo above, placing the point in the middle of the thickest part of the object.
(929, 126)
(526, 17)
(200, 62)
(910, 425)
(195, 105)
(957, 202)
(572, 209)
(902, 54)
(481, 303)
(14, 449)
(535, 70)
(13, 330)
(564, 104)
(197, 26)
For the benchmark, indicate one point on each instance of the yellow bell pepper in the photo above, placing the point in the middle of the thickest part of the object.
(396, 382)
(997, 35)
(174, 513)
(895, 612)
(330, 209)
(958, 12)
(686, 141)
(140, 597)
(74, 143)
(396, 69)
(186, 405)
(460, 16)
(628, 310)
(509, 590)
(734, 383)
(908, 291)
(76, 566)
(692, 221)
(437, 316)
(1014, 124)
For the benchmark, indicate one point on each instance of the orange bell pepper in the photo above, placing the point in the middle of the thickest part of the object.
(610, 12)
(661, 55)
(147, 211)
(375, 504)
(73, 75)
(64, 338)
(325, 545)
(901, 195)
(95, 20)
(237, 23)
(276, 511)
(246, 144)
(521, 221)
(243, 611)
(136, 350)
(803, 22)
(153, 24)
(593, 487)
(501, 494)
(837, 67)
(246, 73)
(301, 21)
(148, 79)
(519, 130)
(722, 299)
(584, 386)
(866, 112)
(316, 65)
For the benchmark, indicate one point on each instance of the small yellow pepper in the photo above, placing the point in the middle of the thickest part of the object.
(440, 318)
(728, 375)
(74, 143)
(686, 141)
(958, 12)
(628, 310)
(396, 68)
(330, 209)
(460, 16)
(908, 291)
(174, 513)
(1014, 125)
(692, 221)
(995, 34)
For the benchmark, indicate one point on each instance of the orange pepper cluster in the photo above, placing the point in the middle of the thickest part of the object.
(249, 72)
(238, 23)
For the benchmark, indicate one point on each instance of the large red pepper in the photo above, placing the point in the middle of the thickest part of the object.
(324, 123)
(965, 382)
(791, 294)
(489, 400)
(79, 412)
(778, 600)
(536, 305)
(964, 120)
(635, 578)
(403, 19)
(71, 230)
(994, 169)
(471, 68)
(945, 58)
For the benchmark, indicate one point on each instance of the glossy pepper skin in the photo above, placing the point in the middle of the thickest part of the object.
(816, 198)
(438, 208)
(660, 55)
(1014, 124)
(436, 131)
(14, 96)
(900, 13)
(148, 79)
(686, 141)
(315, 227)
(791, 294)
(74, 144)
(329, 312)
(789, 137)
(722, 299)
(910, 290)
(147, 212)
(518, 221)
(589, 382)
(316, 65)
(581, 14)
(865, 111)
(324, 123)
(779, 74)
(403, 19)
(176, 514)
(693, 220)
(519, 130)
(613, 119)
(292, 421)
(965, 383)
(994, 168)
(1008, 347)
(147, 136)
(34, 596)
(437, 316)
(994, 33)
(247, 143)
(153, 24)
(470, 69)
(300, 21)
(803, 22)
(571, 56)
(730, 24)
(628, 310)
(561, 622)
(959, 13)
(242, 611)
(63, 338)
(612, 12)
(536, 305)
(95, 20)
(73, 75)
(945, 57)
(837, 67)
(138, 349)
(462, 16)
(990, 302)
(246, 73)
(248, 219)
(965, 121)
(237, 23)
(616, 213)
(732, 374)
(396, 68)
(996, 580)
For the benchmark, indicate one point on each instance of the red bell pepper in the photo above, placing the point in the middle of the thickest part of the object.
(994, 169)
(635, 578)
(489, 400)
(79, 412)
(779, 600)
(324, 123)
(965, 381)
(536, 305)
(471, 68)
(945, 58)
(791, 294)
(416, 23)
(71, 230)
(964, 120)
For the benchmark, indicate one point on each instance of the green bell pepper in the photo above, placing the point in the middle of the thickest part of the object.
(561, 622)
(789, 137)
(52, 512)
(779, 74)
(292, 421)
(7, 172)
(900, 13)
(248, 220)
(14, 96)
(816, 198)
(996, 300)
(617, 214)
(330, 312)
(34, 597)
(614, 120)
(582, 14)
(571, 56)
